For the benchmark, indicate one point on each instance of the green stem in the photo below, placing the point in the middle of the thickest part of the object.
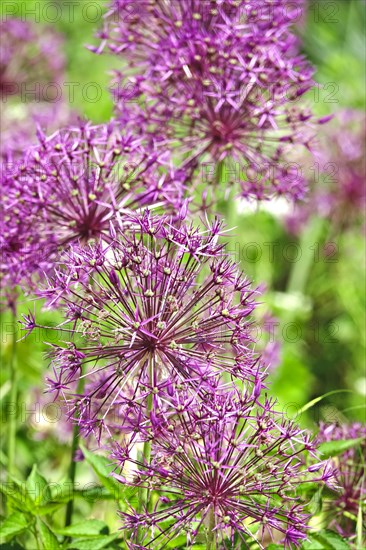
(210, 536)
(143, 494)
(13, 402)
(147, 444)
(72, 466)
(310, 250)
(219, 172)
(35, 533)
(72, 474)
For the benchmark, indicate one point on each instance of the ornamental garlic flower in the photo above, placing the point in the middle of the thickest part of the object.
(82, 179)
(226, 469)
(224, 78)
(162, 300)
(350, 478)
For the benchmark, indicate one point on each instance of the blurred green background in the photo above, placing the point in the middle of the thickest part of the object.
(320, 321)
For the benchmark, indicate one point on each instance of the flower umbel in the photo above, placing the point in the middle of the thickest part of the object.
(225, 469)
(80, 180)
(32, 70)
(223, 79)
(163, 300)
(337, 190)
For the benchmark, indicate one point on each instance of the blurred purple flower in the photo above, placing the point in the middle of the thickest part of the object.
(32, 71)
(338, 191)
(30, 58)
(350, 478)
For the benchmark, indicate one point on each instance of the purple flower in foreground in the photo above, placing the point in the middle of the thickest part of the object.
(350, 477)
(226, 468)
(222, 79)
(162, 301)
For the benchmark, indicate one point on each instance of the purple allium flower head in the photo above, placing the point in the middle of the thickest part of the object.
(350, 477)
(224, 78)
(31, 69)
(225, 467)
(161, 301)
(77, 182)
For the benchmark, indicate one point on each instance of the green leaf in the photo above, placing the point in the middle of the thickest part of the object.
(178, 542)
(312, 544)
(37, 487)
(13, 545)
(90, 494)
(102, 467)
(359, 529)
(85, 528)
(130, 496)
(49, 508)
(48, 538)
(313, 402)
(16, 495)
(94, 543)
(329, 449)
(326, 540)
(13, 525)
(315, 504)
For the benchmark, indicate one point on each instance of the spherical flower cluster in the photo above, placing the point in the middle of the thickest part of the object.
(226, 469)
(155, 356)
(77, 182)
(163, 300)
(349, 475)
(20, 122)
(221, 78)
